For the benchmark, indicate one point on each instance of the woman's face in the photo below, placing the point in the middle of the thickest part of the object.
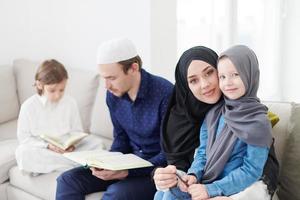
(203, 81)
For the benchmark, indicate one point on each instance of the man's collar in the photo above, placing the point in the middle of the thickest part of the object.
(143, 89)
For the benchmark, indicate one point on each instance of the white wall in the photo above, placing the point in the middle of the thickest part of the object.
(71, 30)
(164, 37)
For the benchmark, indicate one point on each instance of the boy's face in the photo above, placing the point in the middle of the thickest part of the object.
(116, 81)
(54, 92)
(230, 81)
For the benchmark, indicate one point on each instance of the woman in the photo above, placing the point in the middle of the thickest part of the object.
(185, 115)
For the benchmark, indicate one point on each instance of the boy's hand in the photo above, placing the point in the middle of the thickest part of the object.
(70, 149)
(59, 150)
(55, 149)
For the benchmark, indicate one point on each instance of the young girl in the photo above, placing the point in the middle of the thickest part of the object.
(51, 112)
(235, 136)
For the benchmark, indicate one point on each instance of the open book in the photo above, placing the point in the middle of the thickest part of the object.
(64, 141)
(107, 160)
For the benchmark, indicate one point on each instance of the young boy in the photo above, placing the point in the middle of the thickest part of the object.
(51, 112)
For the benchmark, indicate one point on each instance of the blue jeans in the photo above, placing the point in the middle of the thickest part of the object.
(173, 194)
(78, 182)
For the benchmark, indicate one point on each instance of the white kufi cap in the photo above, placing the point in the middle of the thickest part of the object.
(116, 50)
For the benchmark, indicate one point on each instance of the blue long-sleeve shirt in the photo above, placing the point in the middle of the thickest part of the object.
(244, 167)
(137, 124)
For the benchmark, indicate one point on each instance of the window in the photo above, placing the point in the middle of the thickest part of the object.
(220, 24)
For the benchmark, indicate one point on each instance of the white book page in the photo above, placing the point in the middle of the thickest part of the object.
(118, 162)
(82, 156)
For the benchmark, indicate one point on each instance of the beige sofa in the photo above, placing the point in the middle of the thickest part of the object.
(16, 85)
(16, 82)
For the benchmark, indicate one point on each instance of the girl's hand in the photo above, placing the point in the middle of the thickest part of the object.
(185, 181)
(198, 192)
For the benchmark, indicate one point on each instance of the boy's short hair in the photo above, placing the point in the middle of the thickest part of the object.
(50, 72)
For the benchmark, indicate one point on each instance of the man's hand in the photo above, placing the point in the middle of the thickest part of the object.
(198, 192)
(165, 178)
(109, 174)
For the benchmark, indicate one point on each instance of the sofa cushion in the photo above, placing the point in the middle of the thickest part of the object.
(101, 122)
(289, 180)
(9, 104)
(8, 130)
(82, 85)
(3, 188)
(7, 157)
(37, 185)
(280, 130)
(16, 193)
(42, 186)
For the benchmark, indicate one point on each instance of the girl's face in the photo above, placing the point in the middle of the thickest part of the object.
(53, 92)
(230, 81)
(203, 81)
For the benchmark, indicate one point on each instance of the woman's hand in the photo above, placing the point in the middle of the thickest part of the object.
(165, 178)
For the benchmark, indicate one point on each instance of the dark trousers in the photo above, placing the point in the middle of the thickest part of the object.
(76, 183)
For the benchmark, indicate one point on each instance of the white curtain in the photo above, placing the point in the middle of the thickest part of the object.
(258, 24)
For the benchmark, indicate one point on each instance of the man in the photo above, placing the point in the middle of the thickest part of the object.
(137, 101)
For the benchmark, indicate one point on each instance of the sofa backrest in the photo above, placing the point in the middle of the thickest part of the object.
(82, 85)
(287, 138)
(9, 105)
(280, 130)
(101, 122)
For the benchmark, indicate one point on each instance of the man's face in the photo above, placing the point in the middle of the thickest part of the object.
(116, 81)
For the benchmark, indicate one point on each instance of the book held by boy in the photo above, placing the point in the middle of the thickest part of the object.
(107, 160)
(64, 141)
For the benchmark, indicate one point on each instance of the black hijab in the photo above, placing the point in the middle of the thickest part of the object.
(185, 114)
